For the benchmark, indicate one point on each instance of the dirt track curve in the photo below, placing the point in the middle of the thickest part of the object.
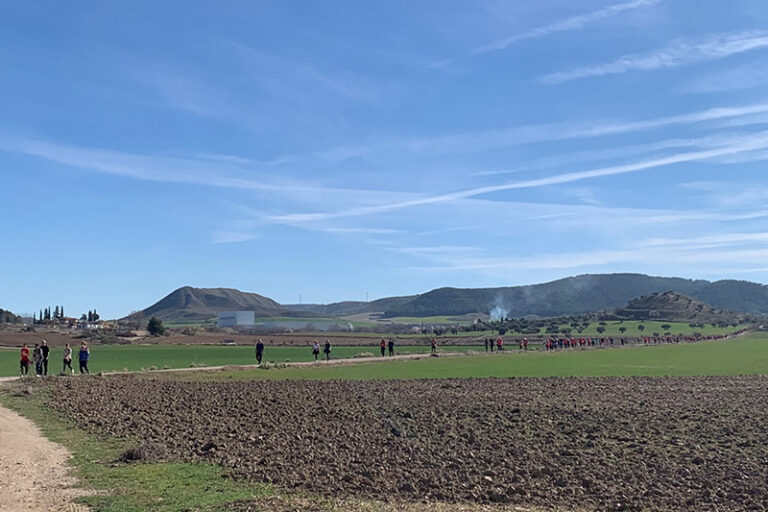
(34, 475)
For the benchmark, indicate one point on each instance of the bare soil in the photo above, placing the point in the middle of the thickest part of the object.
(575, 444)
(14, 339)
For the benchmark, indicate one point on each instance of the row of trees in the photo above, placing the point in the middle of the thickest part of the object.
(48, 314)
(57, 313)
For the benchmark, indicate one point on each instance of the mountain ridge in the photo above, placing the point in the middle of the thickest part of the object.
(580, 294)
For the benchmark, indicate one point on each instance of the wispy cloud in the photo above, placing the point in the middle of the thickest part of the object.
(570, 23)
(482, 140)
(638, 258)
(708, 241)
(231, 237)
(754, 74)
(679, 53)
(749, 143)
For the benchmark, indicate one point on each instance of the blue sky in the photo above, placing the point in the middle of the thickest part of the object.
(350, 148)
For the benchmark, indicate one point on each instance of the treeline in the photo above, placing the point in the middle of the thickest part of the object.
(57, 314)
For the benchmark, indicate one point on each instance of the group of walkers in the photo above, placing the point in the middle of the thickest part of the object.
(315, 350)
(387, 345)
(498, 343)
(40, 355)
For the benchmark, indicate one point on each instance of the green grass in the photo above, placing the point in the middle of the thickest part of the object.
(160, 487)
(741, 356)
(135, 357)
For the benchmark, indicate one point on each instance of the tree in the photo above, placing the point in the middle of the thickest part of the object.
(155, 326)
(95, 315)
(56, 312)
(83, 317)
(641, 327)
(622, 329)
(90, 316)
(600, 330)
(666, 327)
(61, 311)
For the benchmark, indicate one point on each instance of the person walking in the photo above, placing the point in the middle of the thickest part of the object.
(83, 356)
(259, 351)
(486, 344)
(37, 357)
(46, 350)
(391, 346)
(327, 350)
(315, 349)
(383, 347)
(433, 346)
(24, 360)
(499, 344)
(67, 360)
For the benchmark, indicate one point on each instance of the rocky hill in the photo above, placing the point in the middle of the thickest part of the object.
(675, 307)
(194, 304)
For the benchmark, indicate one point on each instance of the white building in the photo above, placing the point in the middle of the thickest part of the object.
(235, 318)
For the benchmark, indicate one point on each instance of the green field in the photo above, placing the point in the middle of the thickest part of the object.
(741, 356)
(137, 357)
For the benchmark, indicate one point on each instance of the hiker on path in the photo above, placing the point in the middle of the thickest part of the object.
(490, 343)
(391, 346)
(259, 351)
(83, 356)
(315, 349)
(433, 345)
(37, 357)
(46, 350)
(486, 344)
(67, 360)
(383, 347)
(327, 350)
(24, 360)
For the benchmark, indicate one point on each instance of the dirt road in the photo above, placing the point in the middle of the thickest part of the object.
(34, 475)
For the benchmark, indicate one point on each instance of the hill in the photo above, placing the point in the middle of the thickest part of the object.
(192, 304)
(8, 317)
(674, 307)
(348, 308)
(582, 294)
(570, 296)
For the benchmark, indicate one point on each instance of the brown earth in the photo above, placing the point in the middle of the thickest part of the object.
(58, 339)
(588, 444)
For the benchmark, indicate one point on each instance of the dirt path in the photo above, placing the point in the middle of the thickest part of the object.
(34, 475)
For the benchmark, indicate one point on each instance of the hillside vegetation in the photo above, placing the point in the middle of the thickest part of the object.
(8, 317)
(571, 296)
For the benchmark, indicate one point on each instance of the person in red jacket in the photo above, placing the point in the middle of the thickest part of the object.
(24, 360)
(499, 344)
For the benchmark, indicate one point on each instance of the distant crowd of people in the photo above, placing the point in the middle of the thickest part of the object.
(40, 356)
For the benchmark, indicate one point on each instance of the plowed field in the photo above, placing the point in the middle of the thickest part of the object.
(586, 444)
